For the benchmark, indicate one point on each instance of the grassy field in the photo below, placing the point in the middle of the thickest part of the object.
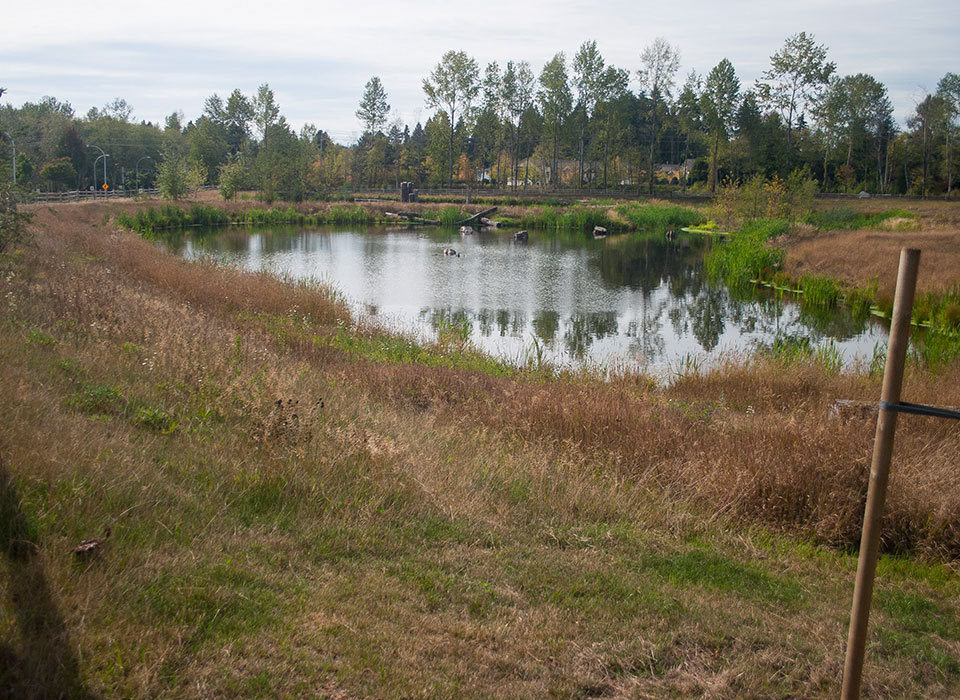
(304, 506)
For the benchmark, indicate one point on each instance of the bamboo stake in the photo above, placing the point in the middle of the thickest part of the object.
(879, 472)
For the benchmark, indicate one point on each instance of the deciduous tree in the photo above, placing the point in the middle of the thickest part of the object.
(555, 101)
(798, 71)
(721, 93)
(659, 63)
(451, 88)
(374, 107)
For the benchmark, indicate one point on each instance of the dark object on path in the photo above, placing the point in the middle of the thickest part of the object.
(521, 236)
(599, 232)
(92, 547)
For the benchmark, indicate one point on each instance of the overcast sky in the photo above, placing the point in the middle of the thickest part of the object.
(167, 56)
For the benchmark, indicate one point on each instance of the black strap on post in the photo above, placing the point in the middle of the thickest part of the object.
(919, 410)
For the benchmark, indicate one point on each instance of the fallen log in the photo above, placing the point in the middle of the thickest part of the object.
(414, 218)
(490, 223)
(477, 217)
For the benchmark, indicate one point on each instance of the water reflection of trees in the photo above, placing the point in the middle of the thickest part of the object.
(707, 317)
(583, 329)
(546, 324)
(646, 261)
(667, 278)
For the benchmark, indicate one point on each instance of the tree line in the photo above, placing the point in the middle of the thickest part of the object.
(575, 124)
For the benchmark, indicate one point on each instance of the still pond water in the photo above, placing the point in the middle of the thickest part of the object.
(632, 300)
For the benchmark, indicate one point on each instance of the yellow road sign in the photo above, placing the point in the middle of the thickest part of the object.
(104, 186)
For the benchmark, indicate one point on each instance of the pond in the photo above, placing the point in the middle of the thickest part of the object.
(630, 300)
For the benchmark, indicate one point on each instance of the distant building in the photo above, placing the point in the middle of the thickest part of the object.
(675, 173)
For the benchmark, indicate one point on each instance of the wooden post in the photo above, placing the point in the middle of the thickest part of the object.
(879, 472)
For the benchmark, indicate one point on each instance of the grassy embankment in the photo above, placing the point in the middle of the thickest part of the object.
(416, 530)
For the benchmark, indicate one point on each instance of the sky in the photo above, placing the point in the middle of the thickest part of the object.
(317, 56)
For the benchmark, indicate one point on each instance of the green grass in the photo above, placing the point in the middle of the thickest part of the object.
(575, 218)
(98, 399)
(660, 218)
(174, 218)
(820, 291)
(799, 350)
(746, 256)
(845, 218)
(452, 351)
(171, 216)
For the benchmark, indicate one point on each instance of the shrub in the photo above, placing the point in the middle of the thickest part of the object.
(13, 223)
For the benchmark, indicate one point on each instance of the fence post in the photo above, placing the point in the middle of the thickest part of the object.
(879, 472)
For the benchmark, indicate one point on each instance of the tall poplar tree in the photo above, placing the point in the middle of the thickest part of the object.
(659, 63)
(798, 72)
(719, 105)
(374, 107)
(556, 101)
(451, 88)
(588, 72)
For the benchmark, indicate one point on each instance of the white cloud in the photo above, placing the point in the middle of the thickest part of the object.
(317, 56)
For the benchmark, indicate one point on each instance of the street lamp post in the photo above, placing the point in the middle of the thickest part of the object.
(14, 159)
(95, 161)
(103, 155)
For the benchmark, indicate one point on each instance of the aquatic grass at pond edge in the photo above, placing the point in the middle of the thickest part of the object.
(582, 219)
(800, 350)
(657, 218)
(625, 217)
(747, 259)
(171, 217)
(746, 256)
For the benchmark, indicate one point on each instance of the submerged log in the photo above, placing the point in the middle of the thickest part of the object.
(490, 223)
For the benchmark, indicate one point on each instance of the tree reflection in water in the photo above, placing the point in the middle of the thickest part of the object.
(635, 297)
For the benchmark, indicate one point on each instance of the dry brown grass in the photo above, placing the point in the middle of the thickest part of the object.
(856, 258)
(427, 532)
